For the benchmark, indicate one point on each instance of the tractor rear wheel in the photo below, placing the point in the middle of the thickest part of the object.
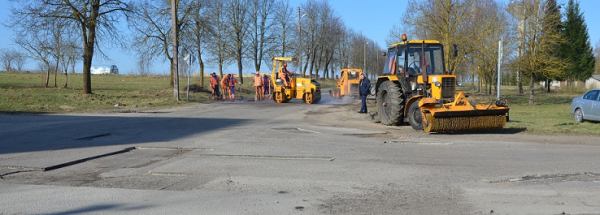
(415, 118)
(390, 103)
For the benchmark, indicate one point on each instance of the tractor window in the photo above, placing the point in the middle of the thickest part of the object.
(401, 60)
(431, 60)
(390, 64)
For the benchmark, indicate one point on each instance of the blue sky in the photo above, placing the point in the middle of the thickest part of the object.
(373, 18)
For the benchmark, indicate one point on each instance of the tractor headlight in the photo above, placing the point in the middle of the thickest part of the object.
(438, 84)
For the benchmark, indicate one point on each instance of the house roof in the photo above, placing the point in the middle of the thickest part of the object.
(597, 77)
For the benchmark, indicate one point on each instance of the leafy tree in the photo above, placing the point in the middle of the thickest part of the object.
(554, 66)
(540, 37)
(577, 48)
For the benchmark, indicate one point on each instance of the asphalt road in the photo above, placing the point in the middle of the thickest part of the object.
(249, 157)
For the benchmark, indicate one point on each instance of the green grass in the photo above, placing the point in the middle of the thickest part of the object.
(24, 92)
(550, 114)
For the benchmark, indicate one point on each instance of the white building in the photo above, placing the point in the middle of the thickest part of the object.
(100, 70)
(593, 82)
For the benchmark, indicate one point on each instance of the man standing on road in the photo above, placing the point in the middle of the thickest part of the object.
(363, 90)
(258, 85)
(232, 82)
(225, 86)
(266, 86)
(214, 84)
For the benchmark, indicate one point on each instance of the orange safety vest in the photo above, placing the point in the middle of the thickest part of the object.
(283, 72)
(266, 81)
(225, 81)
(214, 81)
(232, 81)
(258, 81)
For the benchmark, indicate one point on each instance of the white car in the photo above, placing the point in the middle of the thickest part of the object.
(587, 106)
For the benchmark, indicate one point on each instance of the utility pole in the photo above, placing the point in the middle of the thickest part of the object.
(365, 58)
(175, 49)
(299, 45)
(499, 73)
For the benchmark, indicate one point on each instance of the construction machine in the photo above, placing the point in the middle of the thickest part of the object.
(306, 89)
(416, 88)
(347, 83)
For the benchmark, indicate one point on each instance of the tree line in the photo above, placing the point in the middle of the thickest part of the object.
(220, 33)
(539, 42)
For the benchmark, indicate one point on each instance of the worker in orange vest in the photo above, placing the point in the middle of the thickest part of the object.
(258, 86)
(225, 86)
(284, 75)
(232, 82)
(214, 85)
(266, 86)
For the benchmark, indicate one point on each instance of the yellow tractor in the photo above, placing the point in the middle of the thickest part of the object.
(300, 88)
(347, 83)
(416, 88)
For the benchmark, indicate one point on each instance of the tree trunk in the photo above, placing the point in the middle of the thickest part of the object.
(201, 64)
(66, 78)
(520, 83)
(47, 73)
(221, 68)
(240, 65)
(531, 89)
(312, 63)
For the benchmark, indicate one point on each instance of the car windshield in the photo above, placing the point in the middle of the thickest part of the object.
(431, 59)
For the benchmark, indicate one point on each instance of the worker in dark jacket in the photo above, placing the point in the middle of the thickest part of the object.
(363, 90)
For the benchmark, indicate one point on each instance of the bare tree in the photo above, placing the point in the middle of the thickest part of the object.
(261, 38)
(96, 20)
(7, 58)
(20, 60)
(237, 20)
(37, 45)
(218, 48)
(485, 51)
(284, 30)
(201, 29)
(143, 64)
(152, 25)
(70, 53)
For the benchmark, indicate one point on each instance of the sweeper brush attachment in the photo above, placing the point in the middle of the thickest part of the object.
(463, 123)
(460, 115)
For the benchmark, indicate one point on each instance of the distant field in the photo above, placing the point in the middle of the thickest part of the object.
(23, 93)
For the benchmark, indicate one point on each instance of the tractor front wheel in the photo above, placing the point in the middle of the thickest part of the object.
(415, 118)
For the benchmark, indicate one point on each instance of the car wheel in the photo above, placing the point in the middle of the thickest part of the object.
(578, 115)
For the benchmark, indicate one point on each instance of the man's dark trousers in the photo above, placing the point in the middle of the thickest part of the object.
(363, 106)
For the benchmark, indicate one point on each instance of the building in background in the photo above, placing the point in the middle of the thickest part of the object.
(101, 70)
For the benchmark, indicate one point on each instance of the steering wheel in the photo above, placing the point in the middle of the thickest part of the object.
(413, 68)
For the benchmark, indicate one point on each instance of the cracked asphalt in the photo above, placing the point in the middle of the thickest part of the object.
(249, 157)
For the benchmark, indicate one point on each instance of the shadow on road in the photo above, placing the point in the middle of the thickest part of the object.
(30, 133)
